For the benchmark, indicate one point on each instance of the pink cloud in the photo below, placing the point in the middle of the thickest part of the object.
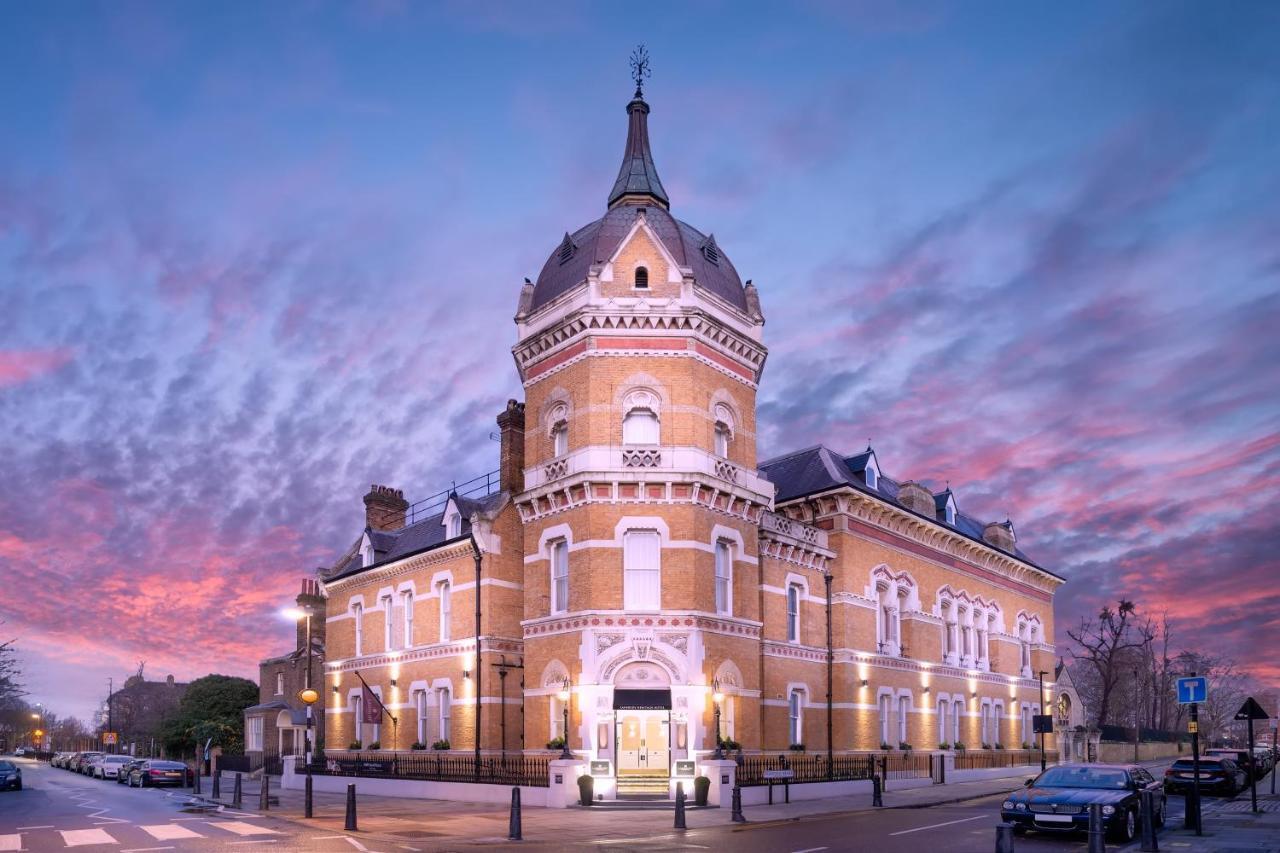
(19, 366)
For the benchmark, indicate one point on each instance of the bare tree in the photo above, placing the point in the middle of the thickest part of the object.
(1104, 645)
(10, 674)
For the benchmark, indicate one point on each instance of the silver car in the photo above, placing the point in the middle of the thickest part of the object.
(108, 766)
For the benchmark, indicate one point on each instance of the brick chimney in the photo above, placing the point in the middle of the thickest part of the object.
(312, 600)
(384, 508)
(511, 466)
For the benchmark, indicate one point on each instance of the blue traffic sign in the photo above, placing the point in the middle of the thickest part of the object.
(1194, 689)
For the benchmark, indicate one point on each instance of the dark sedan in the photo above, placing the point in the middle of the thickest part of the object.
(156, 772)
(1242, 758)
(122, 774)
(1058, 799)
(10, 776)
(1217, 776)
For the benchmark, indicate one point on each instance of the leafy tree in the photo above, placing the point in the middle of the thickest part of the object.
(212, 708)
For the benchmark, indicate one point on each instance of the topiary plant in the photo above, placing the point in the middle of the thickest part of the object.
(355, 744)
(441, 745)
(701, 787)
(556, 743)
(944, 745)
(586, 789)
(418, 745)
(377, 744)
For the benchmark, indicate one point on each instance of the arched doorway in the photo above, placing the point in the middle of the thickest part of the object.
(643, 731)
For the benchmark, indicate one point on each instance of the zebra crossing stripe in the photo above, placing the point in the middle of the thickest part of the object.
(81, 837)
(11, 842)
(169, 831)
(239, 827)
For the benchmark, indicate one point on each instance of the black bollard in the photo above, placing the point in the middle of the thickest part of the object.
(514, 831)
(876, 798)
(351, 808)
(195, 779)
(680, 824)
(264, 794)
(306, 798)
(1150, 844)
(1096, 842)
(737, 816)
(235, 793)
(1004, 838)
(217, 786)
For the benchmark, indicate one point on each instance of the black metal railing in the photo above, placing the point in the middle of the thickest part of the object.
(804, 768)
(527, 771)
(477, 487)
(906, 765)
(987, 759)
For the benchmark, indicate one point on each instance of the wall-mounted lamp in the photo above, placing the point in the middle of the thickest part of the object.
(393, 682)
(335, 689)
(466, 673)
(864, 682)
(973, 695)
(926, 687)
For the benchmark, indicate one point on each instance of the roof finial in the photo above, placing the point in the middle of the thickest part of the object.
(640, 68)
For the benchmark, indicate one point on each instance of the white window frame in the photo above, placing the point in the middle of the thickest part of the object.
(254, 735)
(795, 715)
(723, 437)
(950, 513)
(279, 683)
(724, 577)
(640, 433)
(358, 713)
(388, 628)
(795, 591)
(444, 715)
(357, 611)
(445, 590)
(560, 439)
(870, 473)
(886, 709)
(420, 712)
(634, 580)
(943, 729)
(904, 708)
(559, 576)
(406, 603)
(957, 718)
(635, 278)
(455, 526)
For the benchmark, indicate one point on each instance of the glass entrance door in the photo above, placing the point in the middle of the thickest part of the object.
(644, 743)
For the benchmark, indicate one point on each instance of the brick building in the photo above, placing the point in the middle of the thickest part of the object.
(277, 724)
(635, 555)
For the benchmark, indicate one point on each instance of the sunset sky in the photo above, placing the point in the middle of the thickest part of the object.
(257, 256)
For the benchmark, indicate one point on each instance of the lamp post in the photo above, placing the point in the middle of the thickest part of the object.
(717, 697)
(563, 696)
(1041, 674)
(308, 695)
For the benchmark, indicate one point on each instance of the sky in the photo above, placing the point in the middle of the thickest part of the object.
(255, 257)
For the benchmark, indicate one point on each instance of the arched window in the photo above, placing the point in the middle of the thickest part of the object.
(559, 576)
(943, 731)
(560, 439)
(723, 416)
(722, 439)
(795, 709)
(641, 570)
(886, 708)
(420, 710)
(640, 426)
(642, 277)
(985, 724)
(357, 610)
(904, 708)
(724, 577)
(957, 714)
(793, 613)
(446, 609)
(446, 711)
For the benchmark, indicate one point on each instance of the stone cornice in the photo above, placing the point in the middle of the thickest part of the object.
(793, 541)
(566, 623)
(633, 486)
(405, 566)
(881, 515)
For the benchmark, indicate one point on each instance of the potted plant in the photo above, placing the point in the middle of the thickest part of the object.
(1026, 745)
(999, 745)
(377, 744)
(701, 787)
(355, 744)
(885, 746)
(986, 746)
(729, 744)
(904, 746)
(944, 745)
(418, 746)
(586, 789)
(441, 745)
(556, 743)
(796, 747)
(958, 746)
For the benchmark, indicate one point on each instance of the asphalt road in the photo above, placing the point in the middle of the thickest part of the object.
(58, 810)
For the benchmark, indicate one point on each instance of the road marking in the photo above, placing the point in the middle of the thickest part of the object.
(810, 850)
(46, 826)
(169, 832)
(11, 842)
(356, 844)
(936, 825)
(239, 827)
(144, 849)
(80, 837)
(259, 841)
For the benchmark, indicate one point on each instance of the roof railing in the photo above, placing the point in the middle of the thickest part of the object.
(476, 487)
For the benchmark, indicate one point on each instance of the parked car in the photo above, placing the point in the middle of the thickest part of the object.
(122, 774)
(82, 762)
(1242, 758)
(60, 759)
(19, 752)
(1058, 799)
(154, 771)
(1267, 758)
(1217, 776)
(10, 775)
(108, 766)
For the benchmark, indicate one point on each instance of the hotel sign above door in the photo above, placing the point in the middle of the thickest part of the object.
(642, 700)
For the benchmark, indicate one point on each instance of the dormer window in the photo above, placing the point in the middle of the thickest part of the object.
(642, 278)
(872, 475)
(454, 525)
(951, 513)
(366, 552)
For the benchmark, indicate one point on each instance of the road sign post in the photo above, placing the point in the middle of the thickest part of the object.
(1193, 690)
(1251, 711)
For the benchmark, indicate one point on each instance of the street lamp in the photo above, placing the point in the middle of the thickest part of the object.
(308, 696)
(717, 697)
(1041, 676)
(563, 696)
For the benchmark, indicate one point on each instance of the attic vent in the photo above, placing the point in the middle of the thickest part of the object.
(711, 251)
(567, 248)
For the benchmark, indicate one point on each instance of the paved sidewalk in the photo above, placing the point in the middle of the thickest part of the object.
(1230, 826)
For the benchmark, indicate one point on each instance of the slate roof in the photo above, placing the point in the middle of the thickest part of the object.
(595, 242)
(389, 545)
(818, 469)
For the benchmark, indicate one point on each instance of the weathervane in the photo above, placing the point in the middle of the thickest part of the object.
(640, 68)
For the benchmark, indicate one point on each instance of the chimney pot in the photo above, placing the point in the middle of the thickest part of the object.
(384, 508)
(511, 464)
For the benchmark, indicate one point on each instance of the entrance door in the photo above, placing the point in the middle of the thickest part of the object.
(644, 743)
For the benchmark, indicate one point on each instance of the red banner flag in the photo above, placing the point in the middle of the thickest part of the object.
(371, 708)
